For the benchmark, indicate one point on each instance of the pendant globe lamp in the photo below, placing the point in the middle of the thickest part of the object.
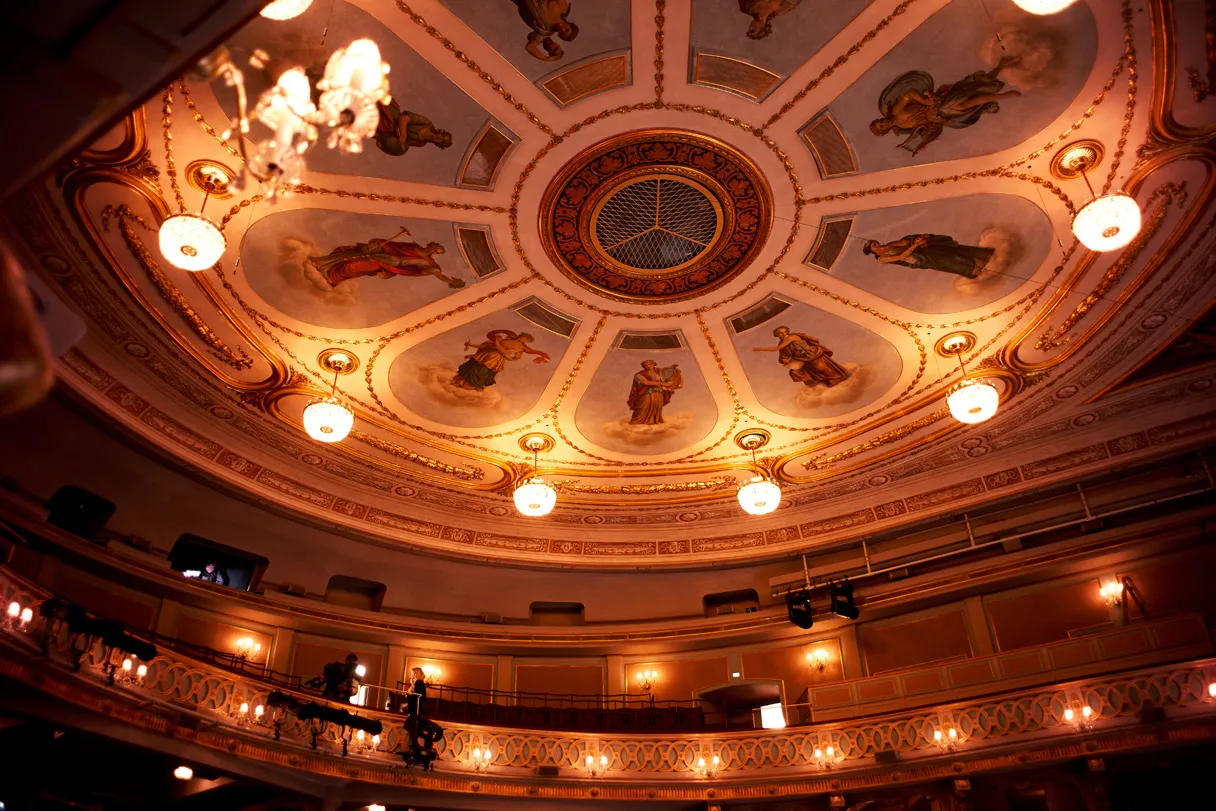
(971, 400)
(327, 419)
(534, 496)
(1041, 7)
(280, 10)
(1108, 222)
(759, 495)
(191, 241)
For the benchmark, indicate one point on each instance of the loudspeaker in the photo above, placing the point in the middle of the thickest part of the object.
(79, 512)
(798, 607)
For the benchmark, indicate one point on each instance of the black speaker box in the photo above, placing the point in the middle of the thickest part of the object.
(79, 512)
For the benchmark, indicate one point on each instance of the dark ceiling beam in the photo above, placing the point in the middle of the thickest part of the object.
(74, 68)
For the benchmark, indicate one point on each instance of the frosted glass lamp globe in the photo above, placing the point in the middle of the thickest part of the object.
(535, 497)
(1043, 6)
(191, 242)
(285, 9)
(759, 496)
(973, 401)
(328, 420)
(1107, 223)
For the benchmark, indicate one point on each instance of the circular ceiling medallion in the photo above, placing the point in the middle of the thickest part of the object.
(1077, 158)
(657, 215)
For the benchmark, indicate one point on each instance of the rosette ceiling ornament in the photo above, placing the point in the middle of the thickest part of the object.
(808, 226)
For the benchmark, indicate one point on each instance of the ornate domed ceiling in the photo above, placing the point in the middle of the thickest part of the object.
(641, 229)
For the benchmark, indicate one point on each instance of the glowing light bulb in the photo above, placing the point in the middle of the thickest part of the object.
(328, 420)
(141, 671)
(361, 670)
(953, 734)
(1107, 223)
(126, 665)
(27, 614)
(535, 497)
(183, 773)
(972, 401)
(1086, 711)
(1068, 714)
(14, 610)
(259, 711)
(191, 242)
(1043, 6)
(937, 734)
(285, 9)
(759, 496)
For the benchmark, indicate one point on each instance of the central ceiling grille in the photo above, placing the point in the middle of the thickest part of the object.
(657, 223)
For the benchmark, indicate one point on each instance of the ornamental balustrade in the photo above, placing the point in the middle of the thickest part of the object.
(175, 680)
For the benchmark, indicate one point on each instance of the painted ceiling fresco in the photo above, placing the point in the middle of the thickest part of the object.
(540, 36)
(639, 261)
(778, 35)
(946, 256)
(995, 92)
(434, 123)
(346, 270)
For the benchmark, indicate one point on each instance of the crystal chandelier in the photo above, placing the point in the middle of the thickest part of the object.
(970, 400)
(1043, 6)
(354, 82)
(759, 495)
(1107, 222)
(328, 420)
(285, 9)
(535, 497)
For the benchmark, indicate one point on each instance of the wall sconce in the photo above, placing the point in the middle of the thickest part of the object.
(817, 658)
(827, 756)
(596, 766)
(431, 674)
(481, 759)
(1112, 593)
(365, 743)
(647, 678)
(129, 673)
(18, 617)
(947, 742)
(708, 768)
(247, 648)
(1080, 719)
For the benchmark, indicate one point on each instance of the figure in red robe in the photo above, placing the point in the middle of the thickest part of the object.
(384, 258)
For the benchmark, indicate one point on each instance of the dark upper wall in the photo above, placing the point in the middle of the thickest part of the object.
(76, 67)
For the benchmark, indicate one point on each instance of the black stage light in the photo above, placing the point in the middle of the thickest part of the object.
(842, 601)
(798, 606)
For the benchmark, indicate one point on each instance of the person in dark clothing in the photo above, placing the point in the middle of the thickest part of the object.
(423, 733)
(339, 680)
(415, 699)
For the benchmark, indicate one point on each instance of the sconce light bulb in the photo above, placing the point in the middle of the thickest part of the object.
(701, 762)
(831, 751)
(953, 734)
(603, 760)
(818, 752)
(244, 707)
(126, 665)
(14, 609)
(1068, 714)
(259, 711)
(1212, 689)
(937, 734)
(141, 671)
(27, 614)
(1086, 711)
(716, 760)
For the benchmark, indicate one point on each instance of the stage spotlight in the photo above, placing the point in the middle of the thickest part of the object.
(798, 606)
(842, 601)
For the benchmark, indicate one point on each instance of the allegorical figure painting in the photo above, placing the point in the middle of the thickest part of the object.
(399, 130)
(383, 258)
(762, 13)
(931, 252)
(651, 390)
(912, 106)
(480, 370)
(807, 361)
(547, 18)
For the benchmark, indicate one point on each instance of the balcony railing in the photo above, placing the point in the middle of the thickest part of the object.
(177, 689)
